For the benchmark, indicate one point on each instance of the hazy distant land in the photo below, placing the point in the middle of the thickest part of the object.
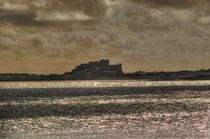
(103, 70)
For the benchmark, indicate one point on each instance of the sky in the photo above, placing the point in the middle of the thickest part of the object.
(53, 36)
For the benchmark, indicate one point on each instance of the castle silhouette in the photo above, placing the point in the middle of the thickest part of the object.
(97, 69)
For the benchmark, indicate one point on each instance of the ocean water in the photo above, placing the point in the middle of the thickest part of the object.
(105, 109)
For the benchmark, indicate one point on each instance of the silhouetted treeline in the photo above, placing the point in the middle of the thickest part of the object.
(180, 75)
(177, 75)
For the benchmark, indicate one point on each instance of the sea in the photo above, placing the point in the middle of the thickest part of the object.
(105, 109)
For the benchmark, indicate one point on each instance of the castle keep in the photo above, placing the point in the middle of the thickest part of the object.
(98, 68)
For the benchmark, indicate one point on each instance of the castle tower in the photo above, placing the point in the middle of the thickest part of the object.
(104, 62)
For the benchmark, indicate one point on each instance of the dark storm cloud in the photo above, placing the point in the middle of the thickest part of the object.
(29, 19)
(20, 18)
(178, 4)
(48, 12)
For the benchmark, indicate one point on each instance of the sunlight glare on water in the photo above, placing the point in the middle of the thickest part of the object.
(104, 83)
(66, 110)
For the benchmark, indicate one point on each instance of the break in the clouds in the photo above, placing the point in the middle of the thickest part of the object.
(49, 36)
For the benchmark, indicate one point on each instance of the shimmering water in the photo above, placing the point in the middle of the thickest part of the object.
(105, 109)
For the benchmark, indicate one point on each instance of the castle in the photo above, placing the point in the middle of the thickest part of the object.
(97, 69)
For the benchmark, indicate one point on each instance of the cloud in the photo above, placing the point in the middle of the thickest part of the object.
(55, 35)
(70, 10)
(57, 16)
(17, 7)
(177, 4)
(49, 12)
(19, 18)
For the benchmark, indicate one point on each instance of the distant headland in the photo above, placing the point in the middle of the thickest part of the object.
(102, 70)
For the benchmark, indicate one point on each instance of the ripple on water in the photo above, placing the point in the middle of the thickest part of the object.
(181, 114)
